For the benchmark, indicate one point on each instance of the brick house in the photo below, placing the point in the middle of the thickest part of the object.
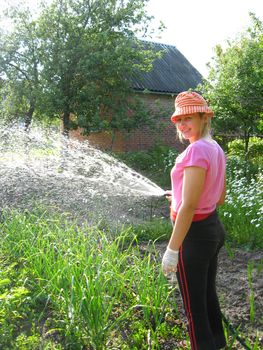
(171, 74)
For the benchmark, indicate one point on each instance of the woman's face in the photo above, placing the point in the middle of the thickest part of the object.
(191, 126)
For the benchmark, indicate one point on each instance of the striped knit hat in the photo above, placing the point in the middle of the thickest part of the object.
(190, 102)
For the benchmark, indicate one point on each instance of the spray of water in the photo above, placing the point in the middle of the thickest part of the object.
(41, 167)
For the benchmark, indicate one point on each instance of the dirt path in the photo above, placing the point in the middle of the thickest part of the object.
(234, 290)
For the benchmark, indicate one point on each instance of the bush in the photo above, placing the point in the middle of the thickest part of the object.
(238, 168)
(255, 148)
(242, 212)
(245, 165)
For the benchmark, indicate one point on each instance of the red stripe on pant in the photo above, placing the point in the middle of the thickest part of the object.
(186, 299)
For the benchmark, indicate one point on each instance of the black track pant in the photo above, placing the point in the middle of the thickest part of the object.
(196, 276)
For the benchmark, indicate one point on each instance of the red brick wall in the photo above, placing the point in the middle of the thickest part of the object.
(162, 107)
(143, 138)
(101, 140)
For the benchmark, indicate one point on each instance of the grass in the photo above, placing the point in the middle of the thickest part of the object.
(65, 287)
(89, 283)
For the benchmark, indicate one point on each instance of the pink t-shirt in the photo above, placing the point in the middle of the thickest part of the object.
(204, 154)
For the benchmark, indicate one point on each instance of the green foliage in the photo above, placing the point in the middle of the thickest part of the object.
(75, 58)
(19, 68)
(91, 283)
(242, 211)
(234, 87)
(82, 288)
(254, 152)
(155, 230)
(236, 148)
(250, 269)
(239, 168)
(19, 307)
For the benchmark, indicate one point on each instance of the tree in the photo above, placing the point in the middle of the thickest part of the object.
(19, 67)
(89, 49)
(75, 59)
(235, 83)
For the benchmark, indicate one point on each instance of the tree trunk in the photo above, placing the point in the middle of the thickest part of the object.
(113, 137)
(65, 123)
(65, 132)
(246, 139)
(29, 116)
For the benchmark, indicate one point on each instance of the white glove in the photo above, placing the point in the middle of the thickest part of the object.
(168, 195)
(170, 260)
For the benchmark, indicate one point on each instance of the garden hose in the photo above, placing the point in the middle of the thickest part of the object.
(235, 332)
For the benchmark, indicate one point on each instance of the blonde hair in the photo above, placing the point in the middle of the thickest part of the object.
(205, 131)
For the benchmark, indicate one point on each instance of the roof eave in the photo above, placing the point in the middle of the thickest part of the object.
(146, 91)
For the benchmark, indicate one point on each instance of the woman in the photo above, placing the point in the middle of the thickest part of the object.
(198, 186)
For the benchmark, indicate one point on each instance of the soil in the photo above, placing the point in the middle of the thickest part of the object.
(234, 292)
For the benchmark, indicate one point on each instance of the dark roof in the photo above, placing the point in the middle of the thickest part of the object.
(172, 73)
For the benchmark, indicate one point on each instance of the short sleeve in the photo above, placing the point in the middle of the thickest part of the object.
(196, 155)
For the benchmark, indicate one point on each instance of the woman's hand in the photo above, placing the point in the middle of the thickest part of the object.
(170, 261)
(168, 195)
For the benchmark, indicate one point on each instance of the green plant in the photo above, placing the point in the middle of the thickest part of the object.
(87, 287)
(24, 342)
(238, 168)
(242, 211)
(18, 308)
(91, 280)
(255, 148)
(250, 268)
(230, 251)
(152, 290)
(154, 230)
